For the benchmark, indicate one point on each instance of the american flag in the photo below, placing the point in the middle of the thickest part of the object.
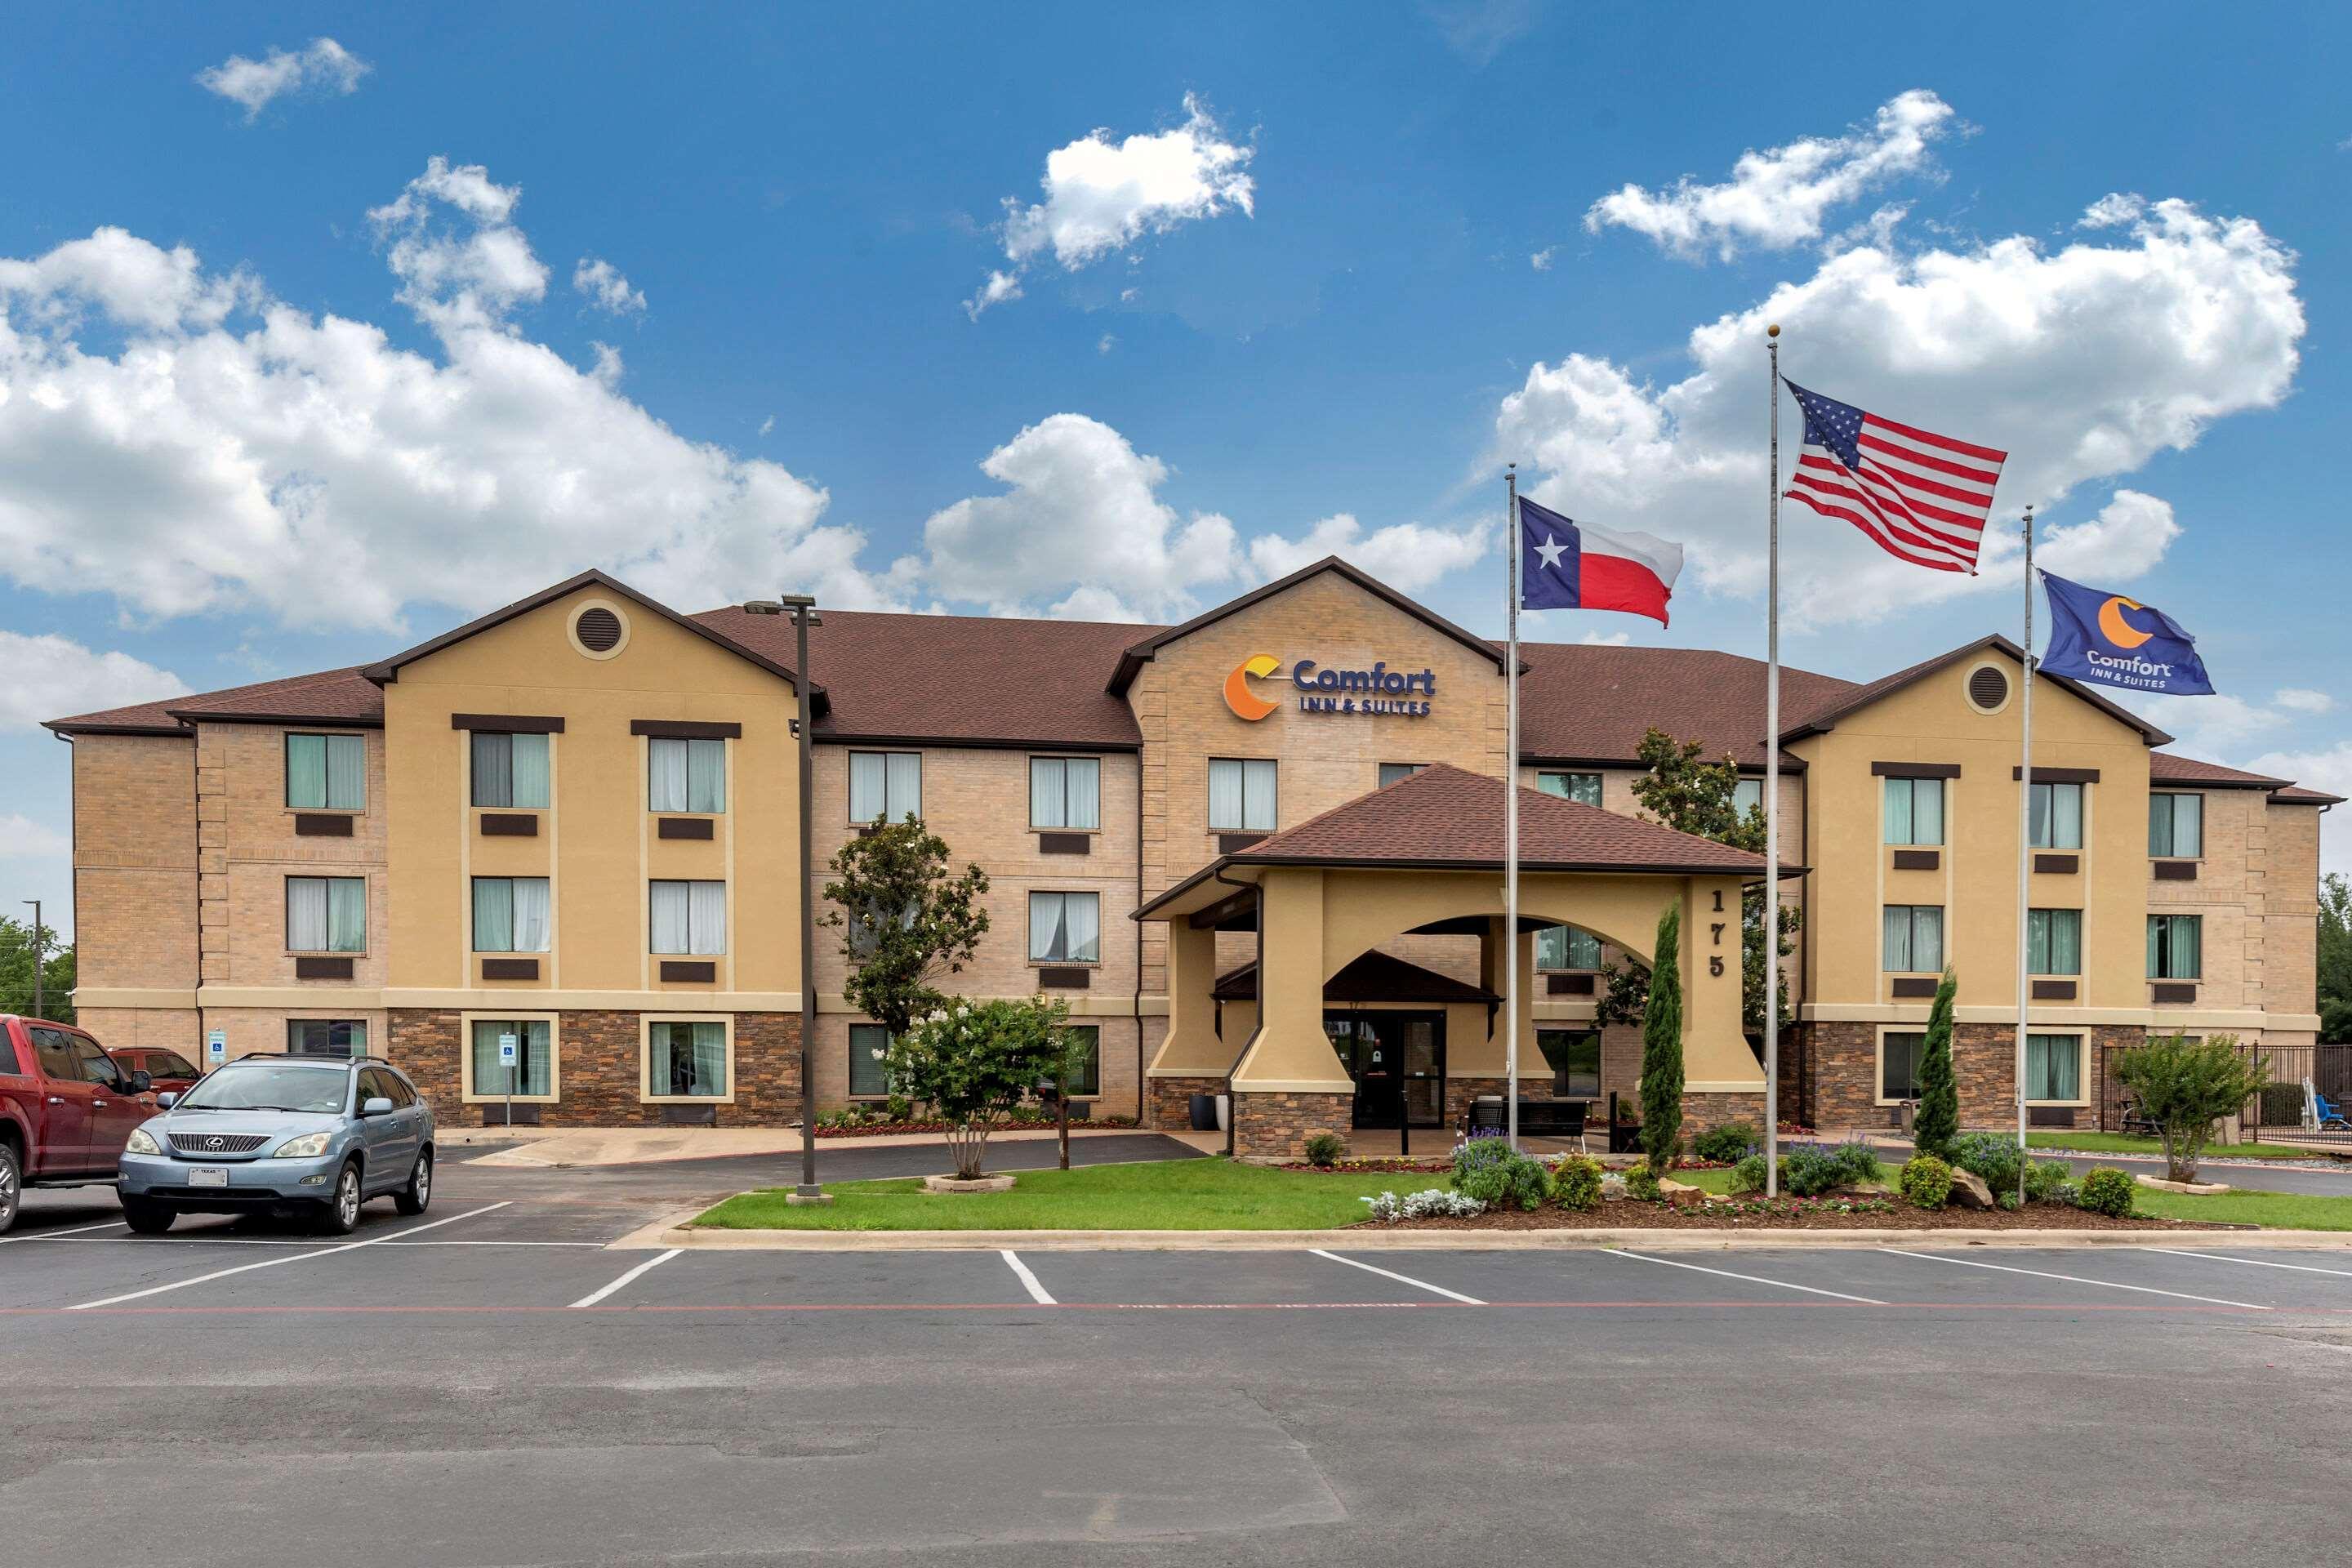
(1923, 496)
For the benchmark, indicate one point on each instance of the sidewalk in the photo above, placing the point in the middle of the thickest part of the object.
(575, 1146)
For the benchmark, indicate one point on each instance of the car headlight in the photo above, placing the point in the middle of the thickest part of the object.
(141, 1143)
(309, 1146)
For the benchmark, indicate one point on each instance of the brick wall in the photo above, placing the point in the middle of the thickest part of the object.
(1169, 1103)
(134, 810)
(1278, 1124)
(598, 1070)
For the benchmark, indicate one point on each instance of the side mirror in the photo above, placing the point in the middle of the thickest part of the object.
(375, 1105)
(142, 1081)
(166, 1099)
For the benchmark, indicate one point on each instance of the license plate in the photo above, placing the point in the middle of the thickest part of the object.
(208, 1176)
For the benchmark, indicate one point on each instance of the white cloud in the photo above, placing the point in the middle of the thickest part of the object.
(1105, 343)
(2327, 768)
(22, 838)
(602, 283)
(1478, 30)
(50, 677)
(2302, 699)
(458, 278)
(2217, 728)
(325, 66)
(1614, 639)
(1102, 195)
(1777, 198)
(2082, 364)
(1542, 259)
(1406, 555)
(2111, 211)
(768, 425)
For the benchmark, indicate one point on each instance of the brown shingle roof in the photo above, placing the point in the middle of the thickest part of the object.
(2166, 768)
(325, 696)
(2296, 795)
(1584, 703)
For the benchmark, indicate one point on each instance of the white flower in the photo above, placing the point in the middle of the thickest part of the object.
(877, 1056)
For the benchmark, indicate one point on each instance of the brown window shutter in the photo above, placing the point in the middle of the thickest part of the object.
(509, 969)
(2065, 865)
(1072, 979)
(322, 824)
(1917, 859)
(509, 825)
(2175, 870)
(683, 827)
(323, 969)
(1913, 985)
(2053, 991)
(689, 970)
(1066, 843)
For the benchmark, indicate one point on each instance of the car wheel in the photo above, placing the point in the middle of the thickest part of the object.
(412, 1198)
(148, 1219)
(12, 1186)
(342, 1214)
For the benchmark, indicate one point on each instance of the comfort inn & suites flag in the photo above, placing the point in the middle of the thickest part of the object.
(2103, 636)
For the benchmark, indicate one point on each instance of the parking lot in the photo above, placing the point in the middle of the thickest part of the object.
(489, 1384)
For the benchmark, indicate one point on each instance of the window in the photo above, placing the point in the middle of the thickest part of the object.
(2175, 826)
(1565, 947)
(686, 1059)
(2175, 947)
(1065, 927)
(326, 773)
(1241, 795)
(1391, 772)
(511, 914)
(2057, 816)
(1746, 796)
(376, 1083)
(869, 1045)
(685, 775)
(1914, 939)
(533, 1073)
(1066, 792)
(2054, 1067)
(884, 786)
(170, 1064)
(1574, 1056)
(1084, 1041)
(1914, 811)
(1584, 787)
(53, 1049)
(1898, 1064)
(93, 1064)
(326, 914)
(327, 1036)
(689, 918)
(2054, 942)
(510, 769)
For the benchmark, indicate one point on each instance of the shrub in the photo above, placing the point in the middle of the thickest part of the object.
(1994, 1156)
(975, 1064)
(1430, 1203)
(1491, 1171)
(1747, 1176)
(1927, 1181)
(2184, 1086)
(1727, 1144)
(1323, 1150)
(1937, 1120)
(2046, 1179)
(1576, 1182)
(2107, 1191)
(2282, 1105)
(1809, 1170)
(1641, 1183)
(1662, 1047)
(2068, 1194)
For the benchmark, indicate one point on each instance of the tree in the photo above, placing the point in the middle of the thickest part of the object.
(974, 1061)
(17, 971)
(906, 923)
(1935, 1126)
(2185, 1085)
(2335, 957)
(1661, 1045)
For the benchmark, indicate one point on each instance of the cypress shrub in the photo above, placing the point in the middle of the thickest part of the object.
(1935, 1130)
(1662, 1047)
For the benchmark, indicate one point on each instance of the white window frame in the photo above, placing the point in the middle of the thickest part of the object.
(288, 896)
(1263, 767)
(893, 810)
(1912, 840)
(2074, 974)
(2082, 814)
(1065, 893)
(474, 935)
(1943, 939)
(473, 778)
(646, 1022)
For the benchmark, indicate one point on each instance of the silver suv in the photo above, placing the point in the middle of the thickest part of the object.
(280, 1135)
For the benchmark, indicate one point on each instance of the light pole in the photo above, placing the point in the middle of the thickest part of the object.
(41, 1009)
(801, 607)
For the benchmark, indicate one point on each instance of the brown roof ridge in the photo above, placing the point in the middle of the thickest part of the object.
(1863, 696)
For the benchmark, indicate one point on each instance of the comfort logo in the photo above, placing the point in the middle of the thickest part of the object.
(2117, 630)
(1245, 703)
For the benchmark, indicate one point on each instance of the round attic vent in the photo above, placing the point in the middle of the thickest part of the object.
(1987, 688)
(599, 631)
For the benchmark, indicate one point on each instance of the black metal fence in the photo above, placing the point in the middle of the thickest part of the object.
(2308, 1098)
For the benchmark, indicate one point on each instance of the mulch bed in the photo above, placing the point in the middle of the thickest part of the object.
(1442, 1164)
(1790, 1213)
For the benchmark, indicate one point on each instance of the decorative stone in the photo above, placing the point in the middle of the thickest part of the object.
(2194, 1189)
(1613, 1188)
(982, 1185)
(1673, 1191)
(1968, 1190)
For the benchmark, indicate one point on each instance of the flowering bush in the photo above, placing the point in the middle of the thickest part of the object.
(1576, 1182)
(1433, 1202)
(1491, 1171)
(974, 1063)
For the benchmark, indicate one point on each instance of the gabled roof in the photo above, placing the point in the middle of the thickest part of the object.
(1141, 653)
(1859, 697)
(337, 697)
(389, 669)
(1374, 977)
(2296, 795)
(2166, 767)
(1581, 702)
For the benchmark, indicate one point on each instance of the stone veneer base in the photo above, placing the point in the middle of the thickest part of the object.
(1279, 1123)
(1168, 1105)
(598, 1073)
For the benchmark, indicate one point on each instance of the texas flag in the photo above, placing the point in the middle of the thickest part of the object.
(1566, 565)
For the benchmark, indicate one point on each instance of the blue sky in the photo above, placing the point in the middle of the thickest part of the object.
(278, 391)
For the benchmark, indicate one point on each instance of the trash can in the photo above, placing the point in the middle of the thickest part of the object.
(1205, 1113)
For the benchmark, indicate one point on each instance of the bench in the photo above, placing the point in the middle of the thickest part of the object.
(1537, 1117)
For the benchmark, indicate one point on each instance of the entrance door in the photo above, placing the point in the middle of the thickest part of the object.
(1398, 1062)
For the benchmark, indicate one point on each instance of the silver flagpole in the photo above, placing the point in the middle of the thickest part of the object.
(1772, 800)
(2026, 850)
(1511, 831)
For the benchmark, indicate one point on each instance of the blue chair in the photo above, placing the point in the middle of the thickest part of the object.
(2327, 1114)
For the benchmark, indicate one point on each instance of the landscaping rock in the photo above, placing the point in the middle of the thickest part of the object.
(1613, 1188)
(1675, 1192)
(984, 1184)
(2194, 1189)
(1968, 1190)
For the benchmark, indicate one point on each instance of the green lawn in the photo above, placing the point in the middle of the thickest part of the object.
(2119, 1143)
(1175, 1195)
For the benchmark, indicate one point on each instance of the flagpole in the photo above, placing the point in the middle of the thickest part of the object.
(1773, 796)
(1511, 828)
(2025, 851)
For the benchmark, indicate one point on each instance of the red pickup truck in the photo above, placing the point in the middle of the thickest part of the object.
(65, 1109)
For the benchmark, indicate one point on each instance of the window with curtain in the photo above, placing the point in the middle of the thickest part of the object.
(2057, 816)
(1898, 1064)
(1086, 1070)
(685, 775)
(2054, 942)
(1914, 811)
(2176, 827)
(509, 770)
(326, 773)
(1585, 787)
(1566, 947)
(326, 914)
(1391, 772)
(2054, 1067)
(884, 786)
(1241, 795)
(327, 1036)
(2175, 947)
(686, 1059)
(533, 1072)
(511, 914)
(1574, 1057)
(1066, 792)
(869, 1045)
(1914, 939)
(1065, 927)
(689, 918)
(1746, 796)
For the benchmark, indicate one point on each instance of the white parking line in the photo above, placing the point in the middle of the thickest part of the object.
(1399, 1278)
(273, 1262)
(52, 1235)
(1036, 1291)
(649, 1265)
(277, 1241)
(2257, 1262)
(1751, 1278)
(2074, 1279)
